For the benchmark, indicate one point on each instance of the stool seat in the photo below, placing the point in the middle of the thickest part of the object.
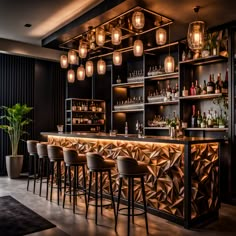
(71, 157)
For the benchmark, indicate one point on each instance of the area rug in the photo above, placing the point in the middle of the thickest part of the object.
(17, 219)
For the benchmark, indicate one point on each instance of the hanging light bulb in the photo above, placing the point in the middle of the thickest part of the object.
(196, 31)
(169, 64)
(161, 36)
(83, 50)
(89, 68)
(63, 61)
(72, 57)
(80, 73)
(117, 58)
(116, 36)
(70, 76)
(138, 20)
(101, 67)
(100, 36)
(138, 48)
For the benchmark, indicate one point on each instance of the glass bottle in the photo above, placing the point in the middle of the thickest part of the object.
(199, 119)
(203, 123)
(126, 128)
(210, 86)
(224, 89)
(197, 88)
(192, 90)
(204, 89)
(194, 117)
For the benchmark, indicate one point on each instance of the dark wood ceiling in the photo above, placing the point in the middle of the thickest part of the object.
(213, 12)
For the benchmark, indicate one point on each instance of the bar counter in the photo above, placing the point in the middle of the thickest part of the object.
(183, 183)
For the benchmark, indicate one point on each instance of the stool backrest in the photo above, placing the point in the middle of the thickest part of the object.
(31, 146)
(55, 152)
(42, 149)
(94, 160)
(70, 156)
(126, 165)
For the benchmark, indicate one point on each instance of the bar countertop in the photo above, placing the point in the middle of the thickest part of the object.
(134, 137)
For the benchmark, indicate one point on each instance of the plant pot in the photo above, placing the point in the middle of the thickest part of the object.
(14, 166)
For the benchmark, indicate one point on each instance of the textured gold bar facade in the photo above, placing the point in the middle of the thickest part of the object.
(164, 185)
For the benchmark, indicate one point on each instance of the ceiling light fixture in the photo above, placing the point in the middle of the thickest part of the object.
(161, 35)
(89, 68)
(196, 31)
(138, 48)
(64, 61)
(80, 72)
(101, 67)
(138, 20)
(72, 57)
(83, 50)
(100, 36)
(117, 58)
(70, 76)
(116, 36)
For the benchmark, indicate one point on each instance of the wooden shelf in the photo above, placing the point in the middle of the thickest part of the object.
(207, 129)
(84, 124)
(163, 103)
(201, 97)
(130, 110)
(154, 127)
(128, 85)
(163, 76)
(100, 112)
(204, 61)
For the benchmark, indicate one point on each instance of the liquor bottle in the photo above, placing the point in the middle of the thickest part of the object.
(203, 123)
(218, 84)
(192, 90)
(126, 128)
(210, 86)
(176, 90)
(224, 89)
(168, 91)
(209, 120)
(199, 119)
(204, 89)
(194, 117)
(197, 88)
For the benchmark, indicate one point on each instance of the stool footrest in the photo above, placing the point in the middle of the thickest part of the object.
(104, 202)
(141, 211)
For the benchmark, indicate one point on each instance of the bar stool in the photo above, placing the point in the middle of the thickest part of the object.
(75, 160)
(130, 168)
(97, 164)
(43, 161)
(55, 155)
(33, 159)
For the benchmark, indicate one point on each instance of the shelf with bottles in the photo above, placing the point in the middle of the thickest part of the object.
(206, 129)
(202, 96)
(129, 85)
(164, 76)
(129, 110)
(172, 102)
(157, 128)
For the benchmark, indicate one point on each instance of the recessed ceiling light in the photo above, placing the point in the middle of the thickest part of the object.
(27, 25)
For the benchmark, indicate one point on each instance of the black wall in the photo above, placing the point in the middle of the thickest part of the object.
(39, 84)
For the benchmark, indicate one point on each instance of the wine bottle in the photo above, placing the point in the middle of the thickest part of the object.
(210, 85)
(199, 119)
(224, 89)
(194, 117)
(204, 89)
(192, 90)
(197, 88)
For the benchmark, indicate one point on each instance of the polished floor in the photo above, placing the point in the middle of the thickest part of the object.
(75, 224)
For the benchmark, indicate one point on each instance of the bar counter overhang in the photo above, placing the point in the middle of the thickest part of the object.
(183, 183)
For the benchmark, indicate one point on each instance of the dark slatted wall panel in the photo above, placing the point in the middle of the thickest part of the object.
(16, 85)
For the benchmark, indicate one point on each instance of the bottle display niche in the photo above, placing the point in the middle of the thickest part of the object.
(87, 115)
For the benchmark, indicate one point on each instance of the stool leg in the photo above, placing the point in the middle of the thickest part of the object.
(84, 183)
(48, 176)
(52, 172)
(101, 191)
(90, 183)
(59, 177)
(58, 182)
(118, 201)
(64, 197)
(111, 192)
(74, 189)
(30, 160)
(35, 159)
(41, 163)
(144, 203)
(96, 198)
(129, 187)
(132, 192)
(70, 182)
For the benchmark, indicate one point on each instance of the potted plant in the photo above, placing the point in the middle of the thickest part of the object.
(16, 120)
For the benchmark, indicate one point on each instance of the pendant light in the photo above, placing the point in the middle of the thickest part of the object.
(100, 36)
(64, 61)
(117, 58)
(101, 67)
(138, 20)
(89, 68)
(72, 57)
(83, 50)
(80, 72)
(169, 62)
(70, 76)
(116, 36)
(138, 48)
(161, 36)
(196, 31)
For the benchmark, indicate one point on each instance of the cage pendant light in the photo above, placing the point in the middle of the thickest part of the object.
(116, 36)
(195, 35)
(161, 36)
(117, 58)
(83, 50)
(169, 62)
(101, 67)
(80, 73)
(89, 68)
(138, 20)
(100, 36)
(64, 61)
(72, 57)
(138, 48)
(70, 76)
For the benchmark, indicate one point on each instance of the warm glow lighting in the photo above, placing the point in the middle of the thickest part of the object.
(169, 64)
(100, 36)
(161, 36)
(89, 68)
(70, 76)
(138, 48)
(138, 20)
(117, 58)
(63, 61)
(101, 67)
(80, 72)
(83, 50)
(72, 57)
(116, 36)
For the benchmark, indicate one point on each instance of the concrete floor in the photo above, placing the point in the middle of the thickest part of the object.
(75, 224)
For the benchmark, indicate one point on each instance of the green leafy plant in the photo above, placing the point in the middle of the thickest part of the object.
(16, 119)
